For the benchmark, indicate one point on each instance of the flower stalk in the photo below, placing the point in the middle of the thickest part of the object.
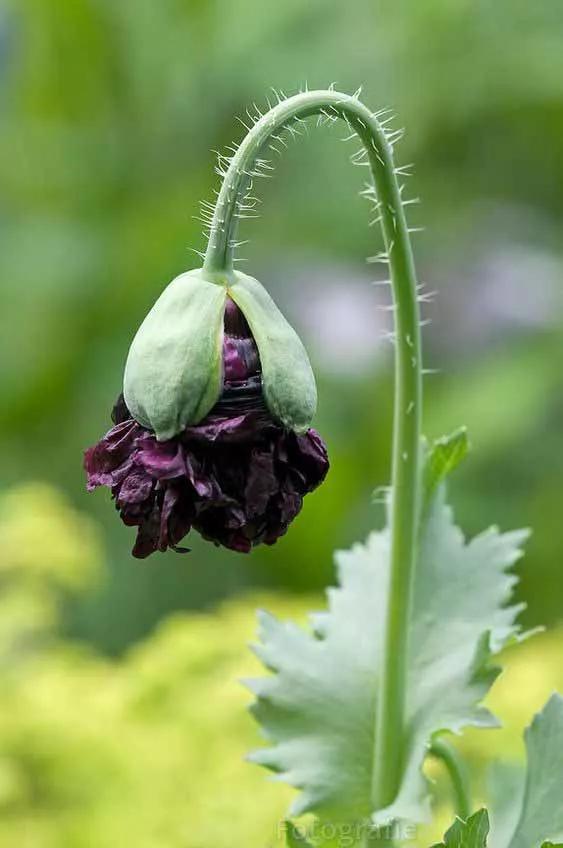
(457, 771)
(389, 732)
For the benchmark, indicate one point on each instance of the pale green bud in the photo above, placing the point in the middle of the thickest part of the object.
(174, 370)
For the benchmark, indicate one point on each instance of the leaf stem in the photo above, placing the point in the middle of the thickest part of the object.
(457, 771)
(389, 731)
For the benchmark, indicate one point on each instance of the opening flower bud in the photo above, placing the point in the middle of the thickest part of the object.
(173, 374)
(211, 434)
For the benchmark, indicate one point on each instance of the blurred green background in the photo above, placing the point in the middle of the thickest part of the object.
(129, 719)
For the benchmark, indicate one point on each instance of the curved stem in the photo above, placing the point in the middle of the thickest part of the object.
(404, 506)
(458, 773)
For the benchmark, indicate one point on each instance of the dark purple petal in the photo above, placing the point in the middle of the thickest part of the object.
(179, 523)
(120, 412)
(235, 323)
(103, 459)
(261, 482)
(238, 542)
(240, 353)
(310, 457)
(169, 501)
(240, 359)
(135, 488)
(287, 506)
(163, 460)
(146, 542)
(203, 483)
(120, 473)
(236, 428)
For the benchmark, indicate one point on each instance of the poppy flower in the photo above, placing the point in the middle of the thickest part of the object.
(237, 475)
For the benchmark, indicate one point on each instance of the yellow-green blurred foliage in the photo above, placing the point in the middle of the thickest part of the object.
(148, 750)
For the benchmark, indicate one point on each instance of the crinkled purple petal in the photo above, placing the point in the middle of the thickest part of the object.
(261, 482)
(146, 542)
(169, 502)
(310, 456)
(103, 459)
(240, 358)
(136, 488)
(234, 429)
(236, 493)
(162, 460)
(205, 486)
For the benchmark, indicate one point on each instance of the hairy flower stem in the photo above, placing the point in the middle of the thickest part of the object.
(405, 493)
(458, 775)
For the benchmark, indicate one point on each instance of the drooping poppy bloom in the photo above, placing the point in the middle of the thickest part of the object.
(238, 476)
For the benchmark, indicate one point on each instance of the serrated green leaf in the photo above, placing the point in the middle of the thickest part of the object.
(442, 458)
(470, 834)
(542, 809)
(294, 838)
(319, 707)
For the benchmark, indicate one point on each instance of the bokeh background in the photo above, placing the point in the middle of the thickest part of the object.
(121, 721)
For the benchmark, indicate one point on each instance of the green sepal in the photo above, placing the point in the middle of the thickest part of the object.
(173, 373)
(287, 377)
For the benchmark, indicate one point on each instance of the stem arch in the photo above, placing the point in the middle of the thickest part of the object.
(389, 731)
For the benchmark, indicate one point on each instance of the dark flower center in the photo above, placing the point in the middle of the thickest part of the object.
(242, 381)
